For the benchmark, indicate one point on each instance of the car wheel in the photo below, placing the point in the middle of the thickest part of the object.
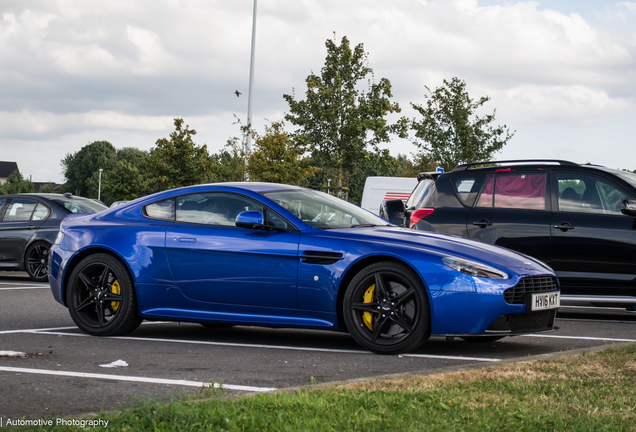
(101, 298)
(37, 261)
(386, 309)
(481, 339)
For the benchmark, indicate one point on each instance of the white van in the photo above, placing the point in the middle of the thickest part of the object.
(378, 189)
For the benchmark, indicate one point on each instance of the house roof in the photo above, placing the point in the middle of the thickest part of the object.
(7, 168)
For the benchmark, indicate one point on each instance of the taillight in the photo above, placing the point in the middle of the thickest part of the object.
(420, 214)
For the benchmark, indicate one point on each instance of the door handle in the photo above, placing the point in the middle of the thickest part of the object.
(483, 223)
(187, 240)
(30, 227)
(564, 226)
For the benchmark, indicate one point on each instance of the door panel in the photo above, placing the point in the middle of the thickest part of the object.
(16, 229)
(511, 212)
(591, 238)
(221, 263)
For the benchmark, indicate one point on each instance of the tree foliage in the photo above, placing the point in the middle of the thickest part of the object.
(450, 131)
(15, 184)
(276, 160)
(81, 169)
(178, 161)
(337, 120)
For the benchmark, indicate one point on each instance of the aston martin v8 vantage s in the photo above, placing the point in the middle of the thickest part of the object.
(284, 256)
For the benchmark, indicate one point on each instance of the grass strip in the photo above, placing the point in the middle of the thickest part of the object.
(586, 392)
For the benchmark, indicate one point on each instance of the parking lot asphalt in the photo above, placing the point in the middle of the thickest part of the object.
(61, 372)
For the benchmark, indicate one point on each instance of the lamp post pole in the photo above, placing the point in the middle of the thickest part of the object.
(248, 141)
(99, 188)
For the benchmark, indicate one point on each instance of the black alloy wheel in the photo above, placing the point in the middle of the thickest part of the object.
(37, 261)
(101, 298)
(386, 309)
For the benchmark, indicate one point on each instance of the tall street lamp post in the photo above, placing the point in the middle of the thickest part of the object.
(99, 188)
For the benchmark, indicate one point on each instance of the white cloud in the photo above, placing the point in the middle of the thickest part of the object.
(73, 69)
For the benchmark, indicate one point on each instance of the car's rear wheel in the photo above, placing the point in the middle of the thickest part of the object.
(37, 261)
(101, 298)
(386, 309)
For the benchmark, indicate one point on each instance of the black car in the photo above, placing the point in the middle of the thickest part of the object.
(29, 224)
(579, 219)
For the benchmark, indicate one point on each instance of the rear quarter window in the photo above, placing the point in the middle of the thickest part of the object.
(466, 189)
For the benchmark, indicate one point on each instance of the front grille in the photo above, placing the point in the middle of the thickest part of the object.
(529, 285)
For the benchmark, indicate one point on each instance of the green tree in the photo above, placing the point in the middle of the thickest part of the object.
(16, 184)
(81, 169)
(126, 181)
(450, 131)
(337, 120)
(276, 160)
(178, 161)
(123, 183)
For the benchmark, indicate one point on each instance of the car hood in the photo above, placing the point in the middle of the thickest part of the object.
(445, 245)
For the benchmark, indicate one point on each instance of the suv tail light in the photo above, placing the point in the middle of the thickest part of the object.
(420, 214)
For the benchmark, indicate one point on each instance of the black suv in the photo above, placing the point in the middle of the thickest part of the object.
(579, 219)
(29, 224)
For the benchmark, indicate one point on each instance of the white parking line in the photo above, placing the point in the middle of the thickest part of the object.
(279, 347)
(135, 379)
(591, 338)
(26, 287)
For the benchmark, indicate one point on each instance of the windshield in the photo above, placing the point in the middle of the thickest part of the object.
(75, 205)
(323, 211)
(629, 177)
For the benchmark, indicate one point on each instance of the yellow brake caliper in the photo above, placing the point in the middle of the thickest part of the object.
(367, 318)
(115, 289)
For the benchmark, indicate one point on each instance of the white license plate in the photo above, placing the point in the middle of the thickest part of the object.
(543, 301)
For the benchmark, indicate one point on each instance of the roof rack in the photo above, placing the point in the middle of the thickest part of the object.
(467, 166)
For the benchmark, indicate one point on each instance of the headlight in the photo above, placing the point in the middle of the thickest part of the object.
(59, 238)
(474, 268)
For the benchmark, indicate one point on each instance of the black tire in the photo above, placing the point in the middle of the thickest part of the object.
(101, 297)
(36, 261)
(386, 309)
(481, 339)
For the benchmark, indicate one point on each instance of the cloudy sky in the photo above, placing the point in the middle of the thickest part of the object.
(562, 73)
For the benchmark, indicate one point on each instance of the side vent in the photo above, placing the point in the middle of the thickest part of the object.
(318, 257)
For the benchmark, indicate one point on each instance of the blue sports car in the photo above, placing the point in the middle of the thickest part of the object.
(284, 256)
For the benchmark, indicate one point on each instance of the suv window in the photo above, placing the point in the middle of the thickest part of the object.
(582, 193)
(515, 191)
(418, 193)
(464, 187)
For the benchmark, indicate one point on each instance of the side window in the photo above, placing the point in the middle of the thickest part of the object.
(525, 191)
(41, 212)
(19, 210)
(582, 193)
(214, 208)
(163, 210)
(463, 187)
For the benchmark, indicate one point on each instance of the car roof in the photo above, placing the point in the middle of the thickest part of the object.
(489, 165)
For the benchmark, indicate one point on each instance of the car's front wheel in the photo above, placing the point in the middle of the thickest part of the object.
(37, 261)
(386, 309)
(101, 298)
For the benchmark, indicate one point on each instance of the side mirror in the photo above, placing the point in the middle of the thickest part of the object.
(393, 211)
(250, 219)
(628, 207)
